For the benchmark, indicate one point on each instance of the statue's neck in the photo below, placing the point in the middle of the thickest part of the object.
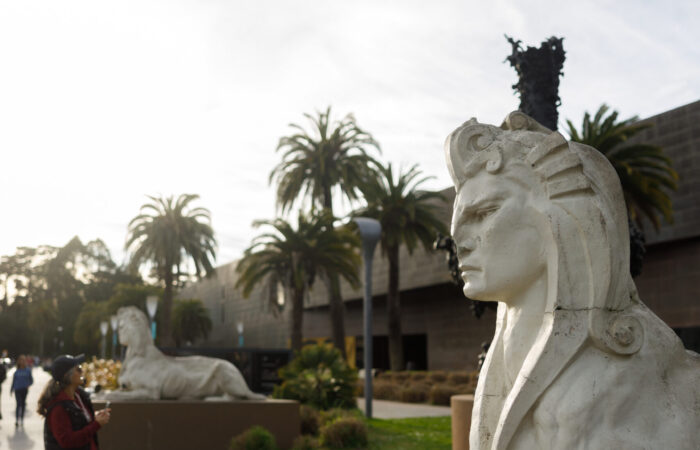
(139, 348)
(523, 320)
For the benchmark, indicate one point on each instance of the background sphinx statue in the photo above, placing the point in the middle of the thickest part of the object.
(577, 360)
(149, 374)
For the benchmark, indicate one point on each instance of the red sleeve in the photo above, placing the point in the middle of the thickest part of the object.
(59, 424)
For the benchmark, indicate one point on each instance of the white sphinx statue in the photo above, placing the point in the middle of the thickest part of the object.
(149, 374)
(577, 360)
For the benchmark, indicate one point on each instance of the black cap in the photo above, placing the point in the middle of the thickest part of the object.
(62, 364)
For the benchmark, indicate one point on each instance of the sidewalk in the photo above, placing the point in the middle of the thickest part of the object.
(31, 436)
(385, 409)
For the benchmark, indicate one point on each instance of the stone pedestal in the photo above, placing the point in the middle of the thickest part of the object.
(461, 420)
(187, 425)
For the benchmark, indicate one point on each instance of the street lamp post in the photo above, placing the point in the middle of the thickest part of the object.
(103, 330)
(370, 231)
(114, 322)
(152, 307)
(60, 339)
(239, 328)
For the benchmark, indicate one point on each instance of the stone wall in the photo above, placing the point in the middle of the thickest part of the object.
(670, 282)
(263, 328)
(678, 132)
(454, 335)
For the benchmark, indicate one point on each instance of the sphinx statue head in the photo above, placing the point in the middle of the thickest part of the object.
(541, 227)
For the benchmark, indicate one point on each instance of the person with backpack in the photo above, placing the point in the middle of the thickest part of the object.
(21, 381)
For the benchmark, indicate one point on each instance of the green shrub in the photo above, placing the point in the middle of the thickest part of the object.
(334, 414)
(306, 443)
(399, 377)
(360, 388)
(347, 432)
(414, 393)
(465, 388)
(418, 376)
(440, 394)
(255, 438)
(318, 376)
(385, 376)
(459, 378)
(310, 420)
(438, 376)
(385, 391)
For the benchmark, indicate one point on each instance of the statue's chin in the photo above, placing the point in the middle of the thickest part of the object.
(473, 292)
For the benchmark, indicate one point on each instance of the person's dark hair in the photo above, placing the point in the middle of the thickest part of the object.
(52, 389)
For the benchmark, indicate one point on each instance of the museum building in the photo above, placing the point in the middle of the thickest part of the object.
(440, 330)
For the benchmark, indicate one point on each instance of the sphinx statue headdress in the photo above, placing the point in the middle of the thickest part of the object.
(591, 298)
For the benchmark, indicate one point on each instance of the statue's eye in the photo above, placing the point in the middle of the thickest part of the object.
(483, 213)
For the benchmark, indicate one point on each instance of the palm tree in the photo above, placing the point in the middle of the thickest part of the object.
(293, 257)
(408, 216)
(168, 233)
(330, 157)
(190, 321)
(644, 170)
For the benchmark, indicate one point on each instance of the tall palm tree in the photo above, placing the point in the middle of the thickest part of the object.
(168, 233)
(408, 216)
(330, 157)
(293, 257)
(645, 171)
(191, 321)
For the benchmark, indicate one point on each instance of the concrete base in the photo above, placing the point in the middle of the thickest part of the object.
(461, 420)
(188, 425)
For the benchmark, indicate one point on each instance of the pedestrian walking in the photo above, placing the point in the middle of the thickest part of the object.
(70, 420)
(20, 386)
(3, 375)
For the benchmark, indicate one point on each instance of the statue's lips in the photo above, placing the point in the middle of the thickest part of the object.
(466, 268)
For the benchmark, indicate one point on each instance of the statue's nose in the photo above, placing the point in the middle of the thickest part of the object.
(466, 246)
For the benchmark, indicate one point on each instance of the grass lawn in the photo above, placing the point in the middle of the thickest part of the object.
(423, 433)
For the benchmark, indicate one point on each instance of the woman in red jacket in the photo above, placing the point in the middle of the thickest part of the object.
(71, 422)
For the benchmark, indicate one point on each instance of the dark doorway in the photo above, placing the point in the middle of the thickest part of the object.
(415, 352)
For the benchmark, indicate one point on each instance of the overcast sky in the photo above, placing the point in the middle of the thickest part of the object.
(105, 102)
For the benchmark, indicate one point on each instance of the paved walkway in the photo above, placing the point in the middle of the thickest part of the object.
(385, 409)
(31, 435)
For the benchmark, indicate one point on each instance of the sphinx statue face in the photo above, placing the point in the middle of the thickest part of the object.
(499, 237)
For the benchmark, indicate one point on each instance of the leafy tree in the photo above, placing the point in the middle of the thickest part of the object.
(42, 317)
(52, 285)
(293, 257)
(330, 157)
(191, 321)
(408, 216)
(87, 327)
(645, 171)
(168, 233)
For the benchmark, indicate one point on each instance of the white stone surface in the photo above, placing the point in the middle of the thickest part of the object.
(149, 374)
(577, 360)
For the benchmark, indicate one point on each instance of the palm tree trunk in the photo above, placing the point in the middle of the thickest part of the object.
(337, 312)
(166, 327)
(393, 307)
(297, 319)
(335, 299)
